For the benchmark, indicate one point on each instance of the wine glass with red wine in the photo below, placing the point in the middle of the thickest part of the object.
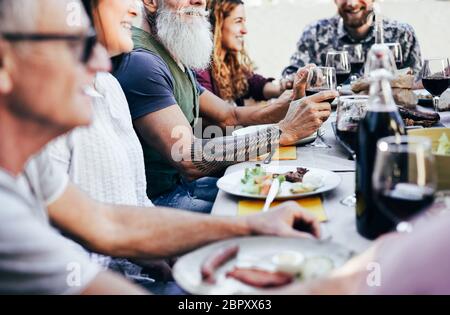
(339, 60)
(436, 78)
(321, 79)
(357, 58)
(404, 180)
(350, 111)
(396, 50)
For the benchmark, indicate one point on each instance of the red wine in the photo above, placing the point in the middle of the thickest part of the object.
(310, 92)
(370, 222)
(357, 67)
(342, 77)
(350, 137)
(436, 86)
(403, 205)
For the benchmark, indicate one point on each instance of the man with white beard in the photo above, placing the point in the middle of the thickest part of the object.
(166, 101)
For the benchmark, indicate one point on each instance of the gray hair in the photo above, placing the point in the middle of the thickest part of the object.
(18, 15)
(151, 17)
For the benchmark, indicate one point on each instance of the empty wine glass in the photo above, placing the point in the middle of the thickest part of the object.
(339, 60)
(436, 78)
(404, 178)
(357, 58)
(396, 50)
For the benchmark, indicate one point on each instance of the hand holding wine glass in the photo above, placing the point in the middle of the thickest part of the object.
(321, 79)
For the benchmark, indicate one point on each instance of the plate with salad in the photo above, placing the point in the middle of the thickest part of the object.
(295, 182)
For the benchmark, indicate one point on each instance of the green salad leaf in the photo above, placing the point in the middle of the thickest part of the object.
(252, 172)
(444, 145)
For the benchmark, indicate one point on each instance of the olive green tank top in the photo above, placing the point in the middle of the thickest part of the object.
(161, 175)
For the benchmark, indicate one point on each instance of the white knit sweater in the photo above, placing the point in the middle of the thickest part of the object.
(105, 160)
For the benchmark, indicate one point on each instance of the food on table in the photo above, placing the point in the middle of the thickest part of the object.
(289, 261)
(257, 181)
(444, 145)
(418, 118)
(217, 259)
(296, 177)
(313, 179)
(405, 97)
(316, 267)
(401, 81)
(427, 96)
(402, 89)
(289, 265)
(260, 278)
(310, 182)
(284, 267)
(301, 188)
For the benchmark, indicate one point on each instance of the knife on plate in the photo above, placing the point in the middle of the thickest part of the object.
(273, 191)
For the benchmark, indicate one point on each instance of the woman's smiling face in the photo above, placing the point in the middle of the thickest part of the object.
(113, 20)
(234, 30)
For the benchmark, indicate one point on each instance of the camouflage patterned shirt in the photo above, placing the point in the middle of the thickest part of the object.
(330, 34)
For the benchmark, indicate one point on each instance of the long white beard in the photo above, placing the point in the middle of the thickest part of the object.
(188, 41)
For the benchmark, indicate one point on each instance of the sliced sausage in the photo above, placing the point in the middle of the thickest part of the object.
(260, 278)
(217, 259)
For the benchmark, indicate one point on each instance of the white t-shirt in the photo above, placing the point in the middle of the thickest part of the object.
(34, 258)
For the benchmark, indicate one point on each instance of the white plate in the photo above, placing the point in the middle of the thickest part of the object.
(231, 183)
(253, 251)
(256, 128)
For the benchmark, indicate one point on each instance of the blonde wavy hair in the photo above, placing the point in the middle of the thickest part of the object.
(230, 70)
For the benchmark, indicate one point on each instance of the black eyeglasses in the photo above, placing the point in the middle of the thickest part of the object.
(89, 40)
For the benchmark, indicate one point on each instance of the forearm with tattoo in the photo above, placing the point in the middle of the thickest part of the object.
(211, 156)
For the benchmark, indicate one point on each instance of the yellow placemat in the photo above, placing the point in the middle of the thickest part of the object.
(281, 154)
(313, 204)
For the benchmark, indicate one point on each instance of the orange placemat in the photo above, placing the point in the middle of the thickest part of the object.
(281, 154)
(312, 204)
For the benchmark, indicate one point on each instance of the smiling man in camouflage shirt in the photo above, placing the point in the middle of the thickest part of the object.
(353, 25)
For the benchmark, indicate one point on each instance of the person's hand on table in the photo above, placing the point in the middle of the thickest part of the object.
(305, 116)
(286, 220)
